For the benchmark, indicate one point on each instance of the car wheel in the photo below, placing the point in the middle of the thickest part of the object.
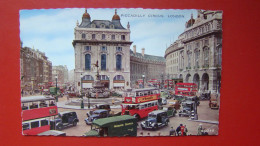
(137, 117)
(59, 127)
(75, 123)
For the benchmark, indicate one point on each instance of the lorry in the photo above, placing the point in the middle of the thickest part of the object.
(124, 125)
(156, 119)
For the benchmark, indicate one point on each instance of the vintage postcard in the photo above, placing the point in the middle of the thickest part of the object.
(120, 72)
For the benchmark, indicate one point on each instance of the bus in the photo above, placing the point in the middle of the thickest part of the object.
(140, 102)
(185, 90)
(37, 112)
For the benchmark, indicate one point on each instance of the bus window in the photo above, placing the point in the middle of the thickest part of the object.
(149, 104)
(35, 124)
(26, 126)
(43, 104)
(33, 105)
(44, 122)
(25, 106)
(51, 103)
(145, 105)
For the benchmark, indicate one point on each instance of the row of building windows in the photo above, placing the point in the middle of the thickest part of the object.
(103, 62)
(104, 48)
(103, 37)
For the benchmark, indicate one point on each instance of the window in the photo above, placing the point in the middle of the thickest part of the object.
(113, 37)
(83, 35)
(118, 62)
(103, 48)
(44, 122)
(26, 126)
(219, 54)
(118, 49)
(189, 59)
(112, 26)
(93, 36)
(87, 48)
(103, 62)
(206, 57)
(197, 54)
(35, 124)
(87, 62)
(122, 37)
(103, 36)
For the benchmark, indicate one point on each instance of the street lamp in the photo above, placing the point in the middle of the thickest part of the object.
(143, 79)
(56, 90)
(81, 91)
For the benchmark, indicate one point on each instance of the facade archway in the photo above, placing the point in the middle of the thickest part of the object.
(205, 82)
(86, 82)
(196, 80)
(119, 82)
(187, 79)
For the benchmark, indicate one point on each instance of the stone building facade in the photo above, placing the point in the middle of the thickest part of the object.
(106, 43)
(142, 64)
(35, 69)
(62, 74)
(196, 55)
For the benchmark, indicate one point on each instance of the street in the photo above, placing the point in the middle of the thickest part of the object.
(204, 112)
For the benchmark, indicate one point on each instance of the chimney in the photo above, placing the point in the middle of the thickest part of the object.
(143, 52)
(134, 49)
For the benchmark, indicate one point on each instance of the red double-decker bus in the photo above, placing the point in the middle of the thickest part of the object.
(140, 102)
(36, 114)
(186, 89)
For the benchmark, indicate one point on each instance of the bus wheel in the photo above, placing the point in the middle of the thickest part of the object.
(137, 117)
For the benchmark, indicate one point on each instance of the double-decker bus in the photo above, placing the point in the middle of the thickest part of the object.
(140, 102)
(36, 114)
(185, 90)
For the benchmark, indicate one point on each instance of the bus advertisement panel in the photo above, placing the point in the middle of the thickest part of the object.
(142, 95)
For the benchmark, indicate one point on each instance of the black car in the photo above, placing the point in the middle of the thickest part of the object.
(155, 120)
(97, 114)
(64, 119)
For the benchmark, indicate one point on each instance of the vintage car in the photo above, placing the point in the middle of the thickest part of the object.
(205, 96)
(164, 101)
(124, 125)
(156, 119)
(175, 103)
(165, 94)
(213, 102)
(99, 106)
(193, 98)
(64, 119)
(187, 108)
(97, 114)
(170, 110)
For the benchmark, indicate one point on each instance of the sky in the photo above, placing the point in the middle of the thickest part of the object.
(52, 30)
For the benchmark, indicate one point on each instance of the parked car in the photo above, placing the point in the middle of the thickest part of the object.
(64, 119)
(187, 108)
(164, 101)
(165, 94)
(155, 120)
(213, 102)
(99, 106)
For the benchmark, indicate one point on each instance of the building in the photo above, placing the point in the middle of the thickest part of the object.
(35, 70)
(148, 65)
(196, 55)
(106, 43)
(61, 72)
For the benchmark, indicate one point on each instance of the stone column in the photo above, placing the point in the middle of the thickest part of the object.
(213, 81)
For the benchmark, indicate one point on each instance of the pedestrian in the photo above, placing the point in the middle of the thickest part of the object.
(182, 130)
(185, 131)
(172, 132)
(22, 92)
(200, 130)
(178, 130)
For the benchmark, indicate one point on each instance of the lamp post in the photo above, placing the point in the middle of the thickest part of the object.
(88, 100)
(143, 79)
(56, 89)
(81, 91)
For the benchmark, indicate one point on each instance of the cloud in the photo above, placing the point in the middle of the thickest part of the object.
(52, 31)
